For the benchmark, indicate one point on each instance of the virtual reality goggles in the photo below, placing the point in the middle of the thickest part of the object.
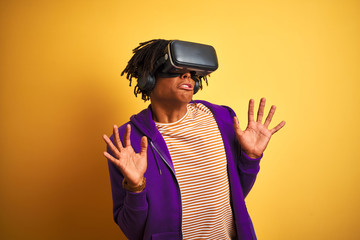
(181, 57)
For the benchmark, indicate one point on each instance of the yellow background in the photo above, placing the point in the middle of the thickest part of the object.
(60, 90)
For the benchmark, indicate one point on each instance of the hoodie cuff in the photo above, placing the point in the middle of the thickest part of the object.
(136, 201)
(252, 164)
(251, 159)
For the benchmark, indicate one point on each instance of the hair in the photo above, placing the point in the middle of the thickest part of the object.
(142, 63)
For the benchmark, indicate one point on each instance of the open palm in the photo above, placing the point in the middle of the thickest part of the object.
(131, 164)
(255, 138)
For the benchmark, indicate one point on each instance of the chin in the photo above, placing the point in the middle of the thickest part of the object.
(181, 100)
(188, 97)
(175, 97)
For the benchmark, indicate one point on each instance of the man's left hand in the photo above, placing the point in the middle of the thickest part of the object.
(256, 136)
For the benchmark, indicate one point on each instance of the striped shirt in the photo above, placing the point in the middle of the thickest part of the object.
(199, 159)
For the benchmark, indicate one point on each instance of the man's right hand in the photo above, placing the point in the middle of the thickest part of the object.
(131, 164)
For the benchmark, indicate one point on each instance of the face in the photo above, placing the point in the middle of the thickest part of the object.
(176, 90)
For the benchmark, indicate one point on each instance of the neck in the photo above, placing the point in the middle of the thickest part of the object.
(168, 112)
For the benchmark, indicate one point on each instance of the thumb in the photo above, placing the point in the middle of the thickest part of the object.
(143, 144)
(237, 126)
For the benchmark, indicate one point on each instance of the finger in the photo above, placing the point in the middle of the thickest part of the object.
(111, 158)
(251, 111)
(237, 126)
(270, 115)
(111, 145)
(143, 144)
(260, 113)
(117, 138)
(278, 127)
(127, 136)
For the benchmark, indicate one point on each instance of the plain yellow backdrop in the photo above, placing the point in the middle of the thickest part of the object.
(60, 90)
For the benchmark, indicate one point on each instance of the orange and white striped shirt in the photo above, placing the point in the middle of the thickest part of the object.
(199, 159)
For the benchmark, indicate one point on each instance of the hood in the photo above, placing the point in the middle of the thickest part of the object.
(144, 122)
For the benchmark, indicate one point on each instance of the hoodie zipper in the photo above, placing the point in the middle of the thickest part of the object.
(164, 160)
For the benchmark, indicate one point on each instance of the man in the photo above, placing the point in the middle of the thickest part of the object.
(183, 168)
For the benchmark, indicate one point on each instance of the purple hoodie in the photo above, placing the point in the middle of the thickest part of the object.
(156, 212)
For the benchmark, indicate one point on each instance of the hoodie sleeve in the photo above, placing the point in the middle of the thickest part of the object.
(248, 167)
(129, 209)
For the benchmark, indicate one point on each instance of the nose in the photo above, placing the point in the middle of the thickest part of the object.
(186, 75)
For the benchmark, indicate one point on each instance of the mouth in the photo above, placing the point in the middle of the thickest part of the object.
(186, 86)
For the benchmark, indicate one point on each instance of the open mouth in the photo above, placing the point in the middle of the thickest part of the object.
(186, 86)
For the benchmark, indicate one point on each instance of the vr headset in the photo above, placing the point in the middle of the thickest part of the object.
(181, 57)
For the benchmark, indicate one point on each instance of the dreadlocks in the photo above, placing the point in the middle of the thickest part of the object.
(142, 63)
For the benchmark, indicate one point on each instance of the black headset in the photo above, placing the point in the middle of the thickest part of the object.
(181, 57)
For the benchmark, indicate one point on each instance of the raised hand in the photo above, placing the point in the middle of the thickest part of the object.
(131, 164)
(256, 136)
